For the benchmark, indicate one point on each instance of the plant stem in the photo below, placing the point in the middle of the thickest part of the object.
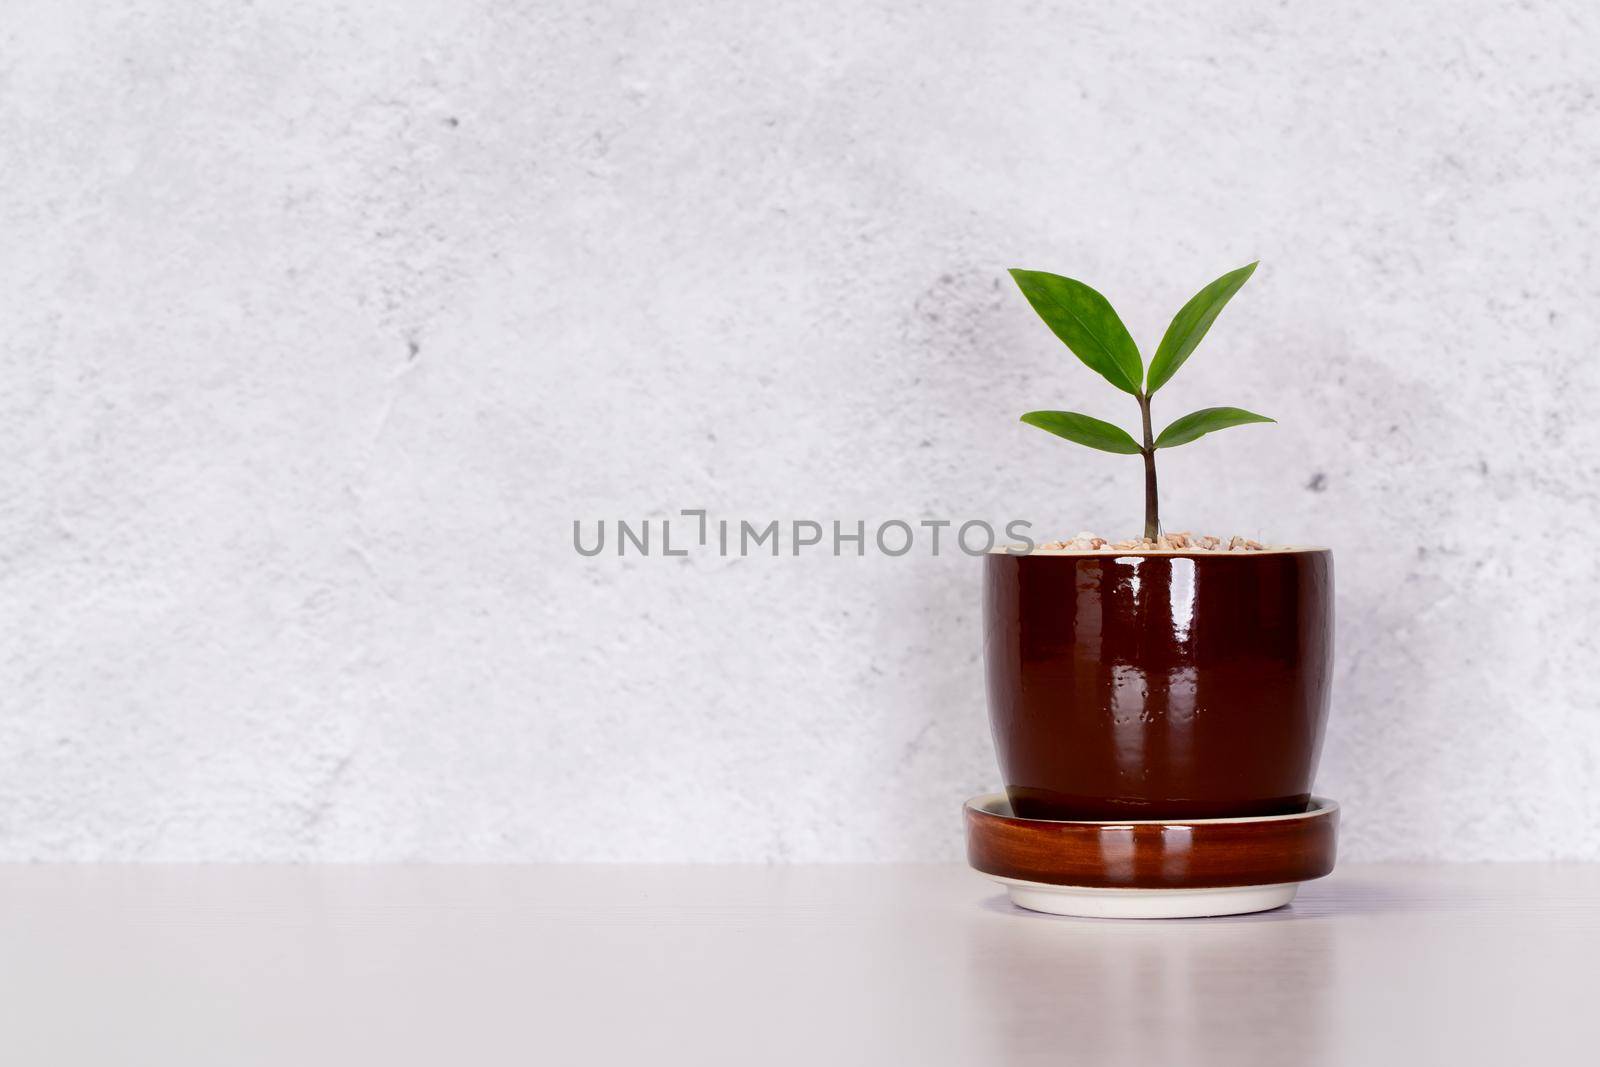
(1152, 506)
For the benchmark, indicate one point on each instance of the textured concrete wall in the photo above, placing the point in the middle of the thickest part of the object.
(322, 323)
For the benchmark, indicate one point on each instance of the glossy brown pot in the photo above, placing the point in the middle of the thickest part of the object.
(1158, 685)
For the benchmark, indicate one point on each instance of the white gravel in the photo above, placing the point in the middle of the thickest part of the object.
(1167, 542)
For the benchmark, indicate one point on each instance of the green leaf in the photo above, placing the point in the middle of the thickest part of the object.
(1189, 326)
(1084, 430)
(1197, 424)
(1086, 323)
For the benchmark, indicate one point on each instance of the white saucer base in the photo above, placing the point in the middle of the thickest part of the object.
(1146, 903)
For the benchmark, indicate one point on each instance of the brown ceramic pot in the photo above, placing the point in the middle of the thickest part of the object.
(1128, 685)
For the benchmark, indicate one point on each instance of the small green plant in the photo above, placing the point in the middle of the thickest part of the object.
(1087, 324)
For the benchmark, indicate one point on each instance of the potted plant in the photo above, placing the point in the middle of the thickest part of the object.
(1163, 677)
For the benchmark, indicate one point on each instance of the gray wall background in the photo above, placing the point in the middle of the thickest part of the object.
(322, 323)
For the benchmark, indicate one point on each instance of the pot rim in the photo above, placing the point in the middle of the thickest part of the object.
(1193, 553)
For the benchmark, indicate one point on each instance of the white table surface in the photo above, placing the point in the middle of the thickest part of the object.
(884, 965)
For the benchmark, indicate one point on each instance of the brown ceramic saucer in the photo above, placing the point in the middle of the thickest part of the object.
(1158, 868)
